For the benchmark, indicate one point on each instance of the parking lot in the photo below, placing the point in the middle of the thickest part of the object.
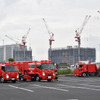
(66, 88)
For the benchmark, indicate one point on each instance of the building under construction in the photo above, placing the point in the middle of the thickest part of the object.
(14, 51)
(69, 55)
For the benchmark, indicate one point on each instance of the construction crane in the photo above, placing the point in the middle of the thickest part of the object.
(23, 42)
(24, 38)
(78, 34)
(51, 38)
(12, 39)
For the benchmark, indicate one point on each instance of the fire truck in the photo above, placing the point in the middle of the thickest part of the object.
(9, 72)
(37, 70)
(44, 70)
(87, 69)
(24, 71)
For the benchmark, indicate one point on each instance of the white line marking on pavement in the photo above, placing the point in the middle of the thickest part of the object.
(77, 80)
(53, 88)
(78, 87)
(72, 99)
(21, 88)
(68, 80)
(89, 85)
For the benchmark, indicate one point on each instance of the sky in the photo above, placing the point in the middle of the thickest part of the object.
(63, 17)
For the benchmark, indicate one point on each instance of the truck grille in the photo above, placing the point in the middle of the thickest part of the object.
(49, 74)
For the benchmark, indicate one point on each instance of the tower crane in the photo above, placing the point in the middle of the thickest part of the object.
(24, 38)
(51, 38)
(12, 39)
(23, 42)
(78, 34)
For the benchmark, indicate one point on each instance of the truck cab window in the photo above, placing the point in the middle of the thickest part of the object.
(31, 65)
(3, 68)
(80, 66)
(39, 66)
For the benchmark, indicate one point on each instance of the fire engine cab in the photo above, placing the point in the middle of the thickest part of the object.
(9, 72)
(44, 70)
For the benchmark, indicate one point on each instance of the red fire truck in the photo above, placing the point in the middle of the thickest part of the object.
(44, 70)
(24, 71)
(37, 70)
(9, 72)
(87, 69)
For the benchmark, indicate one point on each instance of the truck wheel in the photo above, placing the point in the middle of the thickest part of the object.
(14, 81)
(20, 78)
(84, 74)
(2, 79)
(23, 79)
(32, 79)
(38, 78)
(49, 80)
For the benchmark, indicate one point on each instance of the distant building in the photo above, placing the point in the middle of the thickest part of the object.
(69, 55)
(14, 51)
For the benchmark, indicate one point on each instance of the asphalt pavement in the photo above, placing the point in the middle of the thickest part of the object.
(66, 88)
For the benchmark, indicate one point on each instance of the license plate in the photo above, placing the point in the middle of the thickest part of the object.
(49, 76)
(13, 78)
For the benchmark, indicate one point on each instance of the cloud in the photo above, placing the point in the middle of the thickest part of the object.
(63, 18)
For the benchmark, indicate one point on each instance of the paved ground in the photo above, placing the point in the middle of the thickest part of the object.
(67, 88)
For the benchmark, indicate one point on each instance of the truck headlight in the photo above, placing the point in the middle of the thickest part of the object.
(7, 76)
(43, 73)
(18, 76)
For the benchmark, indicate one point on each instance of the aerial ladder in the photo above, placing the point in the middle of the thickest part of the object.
(78, 34)
(51, 38)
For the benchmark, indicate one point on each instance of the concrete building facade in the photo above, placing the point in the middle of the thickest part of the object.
(14, 51)
(69, 55)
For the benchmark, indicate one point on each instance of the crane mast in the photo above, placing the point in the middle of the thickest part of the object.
(51, 38)
(78, 33)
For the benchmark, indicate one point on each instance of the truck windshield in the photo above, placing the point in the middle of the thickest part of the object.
(31, 65)
(47, 66)
(80, 66)
(11, 68)
(76, 66)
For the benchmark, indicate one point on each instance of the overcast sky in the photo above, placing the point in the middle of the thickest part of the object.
(62, 16)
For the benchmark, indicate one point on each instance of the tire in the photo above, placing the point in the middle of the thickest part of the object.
(56, 77)
(20, 78)
(32, 79)
(38, 78)
(84, 74)
(2, 80)
(49, 80)
(14, 81)
(23, 79)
